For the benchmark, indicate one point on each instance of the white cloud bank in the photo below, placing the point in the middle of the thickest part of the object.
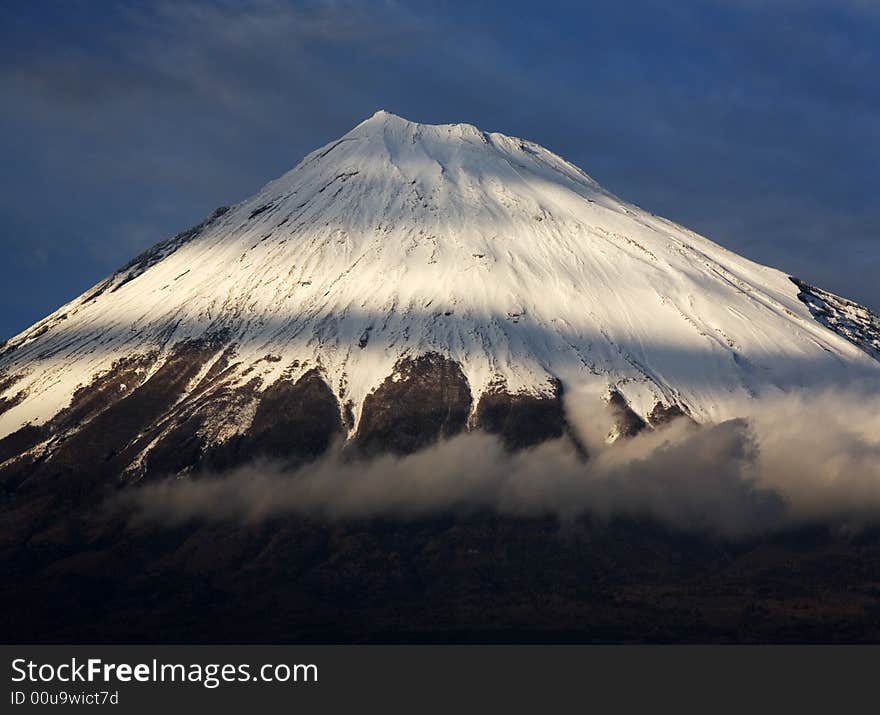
(795, 460)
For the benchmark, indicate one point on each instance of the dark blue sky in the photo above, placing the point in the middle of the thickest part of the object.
(755, 123)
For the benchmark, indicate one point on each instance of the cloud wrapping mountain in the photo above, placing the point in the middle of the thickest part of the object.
(805, 459)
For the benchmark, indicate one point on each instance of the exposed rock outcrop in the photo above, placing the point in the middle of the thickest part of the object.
(427, 398)
(626, 423)
(294, 422)
(664, 414)
(845, 317)
(521, 419)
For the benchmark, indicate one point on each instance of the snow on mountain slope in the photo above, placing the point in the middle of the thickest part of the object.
(401, 239)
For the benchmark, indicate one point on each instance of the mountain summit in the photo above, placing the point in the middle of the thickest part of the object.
(405, 282)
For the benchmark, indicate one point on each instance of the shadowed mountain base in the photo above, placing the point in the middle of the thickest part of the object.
(475, 579)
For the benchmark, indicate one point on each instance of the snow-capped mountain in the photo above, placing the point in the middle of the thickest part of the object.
(407, 281)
